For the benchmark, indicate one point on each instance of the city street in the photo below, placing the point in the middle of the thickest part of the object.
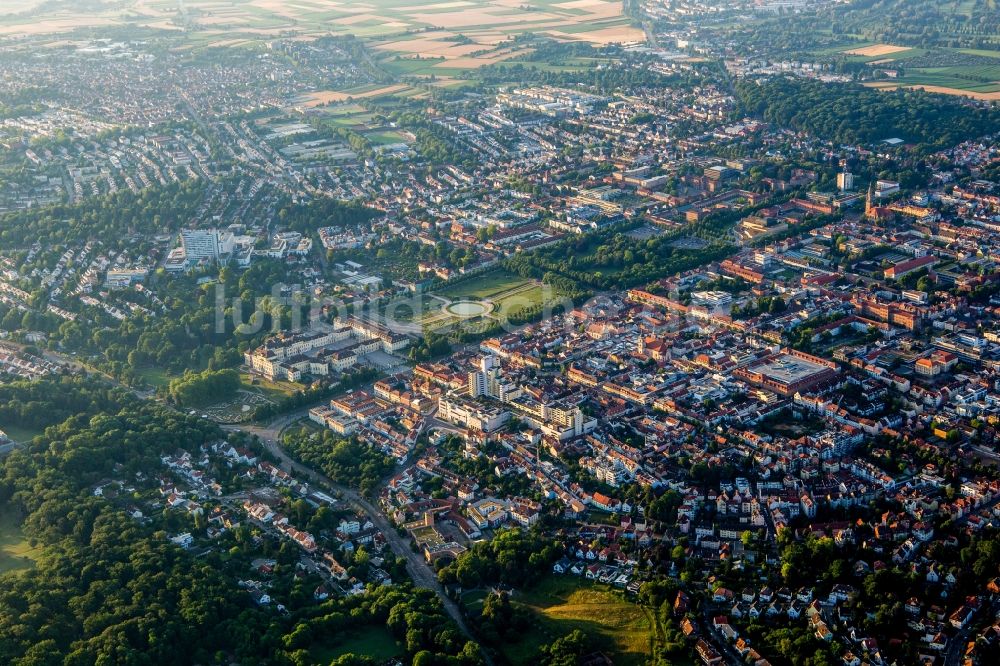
(420, 572)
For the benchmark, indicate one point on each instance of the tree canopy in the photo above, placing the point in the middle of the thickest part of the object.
(852, 114)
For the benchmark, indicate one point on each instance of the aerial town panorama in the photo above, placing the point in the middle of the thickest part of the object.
(500, 332)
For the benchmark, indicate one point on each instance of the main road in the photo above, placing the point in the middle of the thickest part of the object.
(422, 575)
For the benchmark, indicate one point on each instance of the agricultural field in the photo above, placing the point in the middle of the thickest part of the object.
(436, 41)
(876, 50)
(870, 52)
(562, 604)
(222, 22)
(969, 72)
(19, 6)
(325, 97)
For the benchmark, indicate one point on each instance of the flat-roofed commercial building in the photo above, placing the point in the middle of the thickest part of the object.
(788, 372)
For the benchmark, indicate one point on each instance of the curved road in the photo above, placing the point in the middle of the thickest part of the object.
(269, 435)
(422, 575)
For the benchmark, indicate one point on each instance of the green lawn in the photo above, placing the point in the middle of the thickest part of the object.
(473, 601)
(306, 425)
(564, 603)
(156, 377)
(375, 642)
(484, 286)
(349, 120)
(343, 109)
(20, 434)
(16, 553)
(412, 310)
(982, 52)
(385, 138)
(526, 298)
(273, 390)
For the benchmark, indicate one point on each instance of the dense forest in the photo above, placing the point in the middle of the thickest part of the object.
(35, 405)
(113, 217)
(852, 114)
(104, 591)
(307, 217)
(190, 331)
